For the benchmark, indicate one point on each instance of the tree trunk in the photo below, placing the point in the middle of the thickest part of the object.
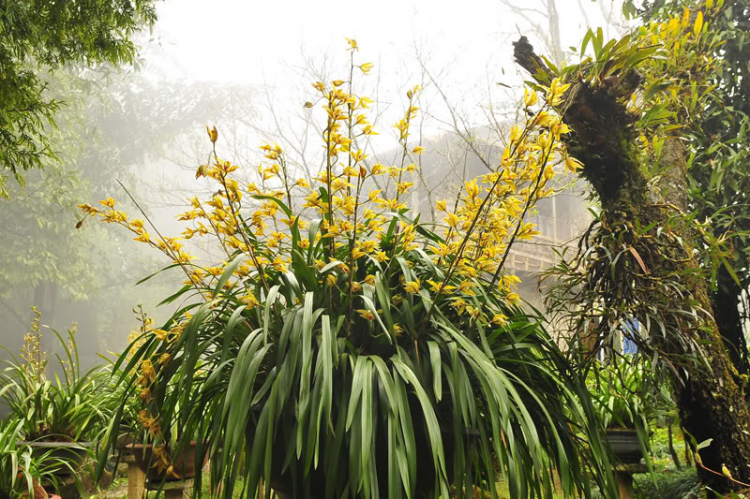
(707, 389)
(725, 302)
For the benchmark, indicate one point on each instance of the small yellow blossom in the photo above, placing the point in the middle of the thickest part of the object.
(279, 264)
(555, 92)
(572, 165)
(698, 26)
(145, 394)
(143, 237)
(412, 286)
(249, 299)
(366, 314)
(147, 371)
(513, 298)
(213, 134)
(500, 319)
(529, 97)
(381, 256)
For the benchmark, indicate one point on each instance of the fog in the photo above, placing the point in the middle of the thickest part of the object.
(247, 67)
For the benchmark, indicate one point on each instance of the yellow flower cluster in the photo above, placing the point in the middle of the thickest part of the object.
(31, 352)
(684, 47)
(353, 232)
(488, 215)
(146, 369)
(162, 461)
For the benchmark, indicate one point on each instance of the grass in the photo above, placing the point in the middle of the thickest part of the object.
(502, 490)
(119, 490)
(669, 483)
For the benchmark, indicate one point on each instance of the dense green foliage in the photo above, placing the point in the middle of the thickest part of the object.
(45, 34)
(18, 467)
(113, 123)
(291, 380)
(116, 125)
(647, 257)
(668, 484)
(618, 395)
(719, 166)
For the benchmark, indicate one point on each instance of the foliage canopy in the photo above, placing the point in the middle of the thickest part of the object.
(44, 34)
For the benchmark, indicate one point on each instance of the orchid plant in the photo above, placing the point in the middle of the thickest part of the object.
(347, 349)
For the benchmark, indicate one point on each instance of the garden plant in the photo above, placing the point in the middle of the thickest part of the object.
(330, 326)
(623, 404)
(21, 470)
(72, 406)
(344, 347)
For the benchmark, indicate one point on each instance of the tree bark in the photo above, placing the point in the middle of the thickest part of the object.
(707, 389)
(725, 302)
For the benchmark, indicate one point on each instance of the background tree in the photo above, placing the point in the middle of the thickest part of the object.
(116, 125)
(44, 34)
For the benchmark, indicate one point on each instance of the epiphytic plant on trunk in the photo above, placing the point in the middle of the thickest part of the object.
(639, 261)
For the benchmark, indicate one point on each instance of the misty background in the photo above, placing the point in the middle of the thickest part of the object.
(247, 67)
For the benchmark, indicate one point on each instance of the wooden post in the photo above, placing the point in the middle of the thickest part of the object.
(624, 476)
(625, 484)
(136, 479)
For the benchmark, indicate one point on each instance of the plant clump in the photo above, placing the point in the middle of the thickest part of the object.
(347, 349)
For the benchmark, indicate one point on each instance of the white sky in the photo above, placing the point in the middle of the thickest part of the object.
(467, 45)
(238, 40)
(246, 41)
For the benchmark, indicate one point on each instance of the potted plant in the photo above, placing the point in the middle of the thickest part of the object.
(21, 470)
(162, 456)
(622, 406)
(64, 414)
(132, 435)
(346, 349)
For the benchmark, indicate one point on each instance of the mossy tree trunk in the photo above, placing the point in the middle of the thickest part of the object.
(725, 302)
(707, 389)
